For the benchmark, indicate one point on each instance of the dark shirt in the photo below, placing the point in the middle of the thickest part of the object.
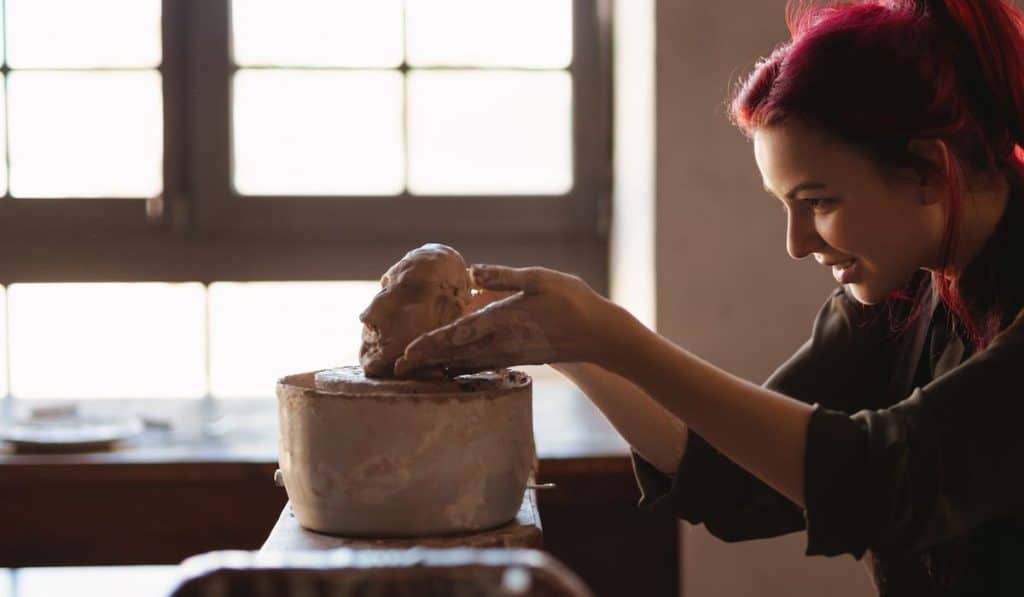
(915, 448)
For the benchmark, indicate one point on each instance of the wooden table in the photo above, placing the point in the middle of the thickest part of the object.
(524, 531)
(165, 498)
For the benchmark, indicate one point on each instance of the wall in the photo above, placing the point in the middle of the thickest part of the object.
(631, 275)
(725, 287)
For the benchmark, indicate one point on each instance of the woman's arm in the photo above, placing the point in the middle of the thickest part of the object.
(653, 432)
(761, 430)
(898, 477)
(557, 318)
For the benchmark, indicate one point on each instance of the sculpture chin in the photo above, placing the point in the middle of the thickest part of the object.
(379, 352)
(371, 354)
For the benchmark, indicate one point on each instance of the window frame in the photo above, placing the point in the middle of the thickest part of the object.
(201, 230)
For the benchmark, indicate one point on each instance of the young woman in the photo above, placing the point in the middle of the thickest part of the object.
(890, 132)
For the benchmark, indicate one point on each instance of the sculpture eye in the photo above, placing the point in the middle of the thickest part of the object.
(448, 310)
(418, 293)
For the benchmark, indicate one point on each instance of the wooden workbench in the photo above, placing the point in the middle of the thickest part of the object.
(163, 499)
(524, 531)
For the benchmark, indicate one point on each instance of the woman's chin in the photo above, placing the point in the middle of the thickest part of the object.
(865, 294)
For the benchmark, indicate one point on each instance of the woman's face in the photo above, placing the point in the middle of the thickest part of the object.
(873, 231)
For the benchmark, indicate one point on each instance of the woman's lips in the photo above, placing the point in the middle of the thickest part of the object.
(844, 272)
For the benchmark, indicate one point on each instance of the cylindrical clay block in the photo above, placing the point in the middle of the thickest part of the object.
(403, 458)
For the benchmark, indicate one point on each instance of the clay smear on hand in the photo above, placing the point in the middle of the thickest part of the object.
(426, 289)
(499, 335)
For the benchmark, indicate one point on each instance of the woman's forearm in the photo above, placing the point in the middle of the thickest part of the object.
(761, 430)
(656, 434)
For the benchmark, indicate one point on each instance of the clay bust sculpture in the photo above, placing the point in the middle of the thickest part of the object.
(366, 455)
(426, 289)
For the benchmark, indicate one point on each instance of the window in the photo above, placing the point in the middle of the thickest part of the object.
(184, 173)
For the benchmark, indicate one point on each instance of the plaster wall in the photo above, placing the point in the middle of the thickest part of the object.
(725, 287)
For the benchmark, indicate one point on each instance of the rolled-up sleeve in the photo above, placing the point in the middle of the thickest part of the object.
(942, 462)
(847, 357)
(710, 489)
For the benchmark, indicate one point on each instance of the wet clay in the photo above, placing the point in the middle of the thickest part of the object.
(428, 288)
(365, 454)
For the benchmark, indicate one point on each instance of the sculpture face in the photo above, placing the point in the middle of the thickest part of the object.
(427, 289)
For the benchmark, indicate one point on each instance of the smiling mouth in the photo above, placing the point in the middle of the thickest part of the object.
(844, 270)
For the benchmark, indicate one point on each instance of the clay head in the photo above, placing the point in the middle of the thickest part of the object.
(426, 289)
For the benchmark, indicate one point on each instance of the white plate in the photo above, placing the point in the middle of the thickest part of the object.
(70, 435)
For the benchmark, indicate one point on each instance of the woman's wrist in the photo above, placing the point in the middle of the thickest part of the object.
(620, 334)
(573, 370)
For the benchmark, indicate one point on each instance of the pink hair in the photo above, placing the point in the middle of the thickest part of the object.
(876, 74)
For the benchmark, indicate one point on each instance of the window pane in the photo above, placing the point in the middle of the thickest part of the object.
(318, 133)
(86, 134)
(74, 580)
(73, 33)
(3, 344)
(517, 33)
(490, 132)
(107, 340)
(261, 331)
(317, 32)
(3, 135)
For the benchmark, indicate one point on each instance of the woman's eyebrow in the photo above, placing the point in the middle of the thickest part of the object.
(810, 184)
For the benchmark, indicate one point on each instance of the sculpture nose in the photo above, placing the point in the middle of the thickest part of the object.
(378, 302)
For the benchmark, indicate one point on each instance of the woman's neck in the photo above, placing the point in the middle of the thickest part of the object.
(983, 207)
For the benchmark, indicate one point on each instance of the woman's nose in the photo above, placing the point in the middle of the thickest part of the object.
(802, 238)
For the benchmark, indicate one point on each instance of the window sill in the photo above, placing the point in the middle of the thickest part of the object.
(566, 426)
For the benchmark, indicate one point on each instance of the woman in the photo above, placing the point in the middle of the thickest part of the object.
(889, 131)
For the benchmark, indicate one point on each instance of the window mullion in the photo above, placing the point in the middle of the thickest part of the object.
(208, 151)
(172, 210)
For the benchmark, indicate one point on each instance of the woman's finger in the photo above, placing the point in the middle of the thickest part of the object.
(499, 277)
(445, 341)
(405, 369)
(437, 348)
(426, 357)
(483, 297)
(424, 352)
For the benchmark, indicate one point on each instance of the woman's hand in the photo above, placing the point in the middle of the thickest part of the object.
(551, 317)
(484, 296)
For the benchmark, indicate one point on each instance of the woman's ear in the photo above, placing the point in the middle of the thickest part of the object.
(935, 176)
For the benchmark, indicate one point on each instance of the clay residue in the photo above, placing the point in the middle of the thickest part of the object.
(351, 381)
(426, 289)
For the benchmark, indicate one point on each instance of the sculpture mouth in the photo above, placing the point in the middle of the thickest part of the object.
(372, 342)
(371, 333)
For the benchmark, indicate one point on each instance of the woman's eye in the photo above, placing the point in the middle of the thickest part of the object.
(819, 204)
